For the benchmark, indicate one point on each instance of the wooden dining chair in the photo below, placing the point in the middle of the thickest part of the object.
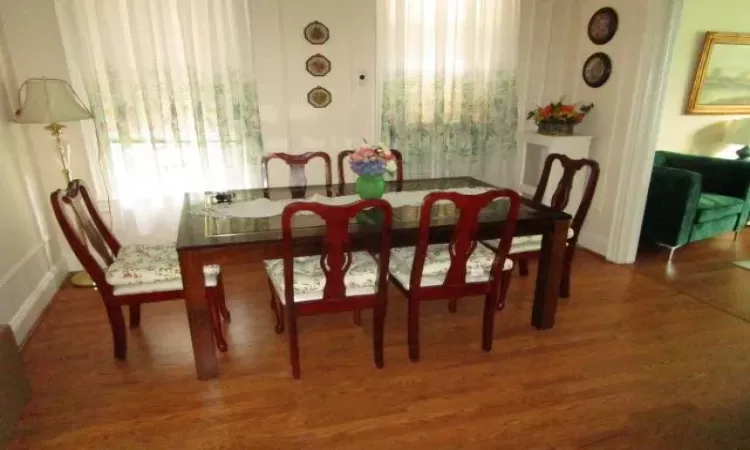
(460, 268)
(297, 176)
(399, 169)
(525, 248)
(337, 280)
(128, 275)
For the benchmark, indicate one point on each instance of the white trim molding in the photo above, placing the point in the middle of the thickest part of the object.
(32, 308)
(597, 243)
(28, 287)
(635, 171)
(20, 263)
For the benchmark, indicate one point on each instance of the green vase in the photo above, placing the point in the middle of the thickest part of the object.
(370, 186)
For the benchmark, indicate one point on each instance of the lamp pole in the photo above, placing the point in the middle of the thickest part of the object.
(80, 278)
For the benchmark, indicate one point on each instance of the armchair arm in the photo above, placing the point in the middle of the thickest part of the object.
(731, 178)
(671, 206)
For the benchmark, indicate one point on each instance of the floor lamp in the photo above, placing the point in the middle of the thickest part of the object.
(51, 101)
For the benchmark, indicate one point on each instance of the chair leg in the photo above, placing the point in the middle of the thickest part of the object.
(278, 309)
(504, 285)
(117, 323)
(488, 321)
(215, 307)
(293, 345)
(523, 267)
(135, 315)
(566, 269)
(413, 329)
(358, 318)
(452, 305)
(272, 290)
(222, 299)
(378, 327)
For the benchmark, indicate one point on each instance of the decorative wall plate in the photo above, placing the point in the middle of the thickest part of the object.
(319, 97)
(318, 65)
(597, 69)
(316, 33)
(603, 26)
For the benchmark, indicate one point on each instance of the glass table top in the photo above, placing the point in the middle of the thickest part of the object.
(200, 230)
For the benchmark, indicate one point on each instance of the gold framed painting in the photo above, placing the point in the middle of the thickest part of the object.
(722, 78)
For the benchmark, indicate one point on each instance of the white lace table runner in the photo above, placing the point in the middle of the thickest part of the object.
(263, 207)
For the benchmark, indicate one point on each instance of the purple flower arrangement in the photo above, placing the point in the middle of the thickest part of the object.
(372, 160)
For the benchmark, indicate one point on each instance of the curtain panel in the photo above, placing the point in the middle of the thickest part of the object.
(448, 71)
(171, 86)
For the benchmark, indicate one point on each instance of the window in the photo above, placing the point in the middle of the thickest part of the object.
(172, 89)
(446, 53)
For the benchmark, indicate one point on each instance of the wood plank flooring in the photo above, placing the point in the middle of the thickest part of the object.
(649, 356)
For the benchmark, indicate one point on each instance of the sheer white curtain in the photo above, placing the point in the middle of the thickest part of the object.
(171, 85)
(448, 70)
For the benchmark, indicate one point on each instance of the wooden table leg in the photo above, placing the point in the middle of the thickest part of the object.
(548, 276)
(199, 315)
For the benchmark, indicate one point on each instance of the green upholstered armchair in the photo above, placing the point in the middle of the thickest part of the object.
(695, 197)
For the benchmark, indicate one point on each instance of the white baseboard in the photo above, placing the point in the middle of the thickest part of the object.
(27, 316)
(593, 242)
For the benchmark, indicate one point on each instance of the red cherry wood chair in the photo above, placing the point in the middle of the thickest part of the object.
(525, 248)
(460, 268)
(127, 275)
(399, 168)
(338, 280)
(297, 177)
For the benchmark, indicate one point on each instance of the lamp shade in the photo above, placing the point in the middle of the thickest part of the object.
(50, 100)
(738, 132)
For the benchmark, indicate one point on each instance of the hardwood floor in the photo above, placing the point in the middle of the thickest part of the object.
(642, 357)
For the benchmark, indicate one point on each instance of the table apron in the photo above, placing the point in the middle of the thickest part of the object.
(249, 252)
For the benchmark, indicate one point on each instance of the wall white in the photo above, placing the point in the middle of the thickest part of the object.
(288, 122)
(555, 46)
(700, 134)
(30, 262)
(34, 48)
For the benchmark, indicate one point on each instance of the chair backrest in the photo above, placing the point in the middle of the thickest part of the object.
(297, 177)
(85, 217)
(399, 169)
(464, 237)
(336, 256)
(561, 196)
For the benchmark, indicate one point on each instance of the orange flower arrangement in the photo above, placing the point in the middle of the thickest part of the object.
(560, 113)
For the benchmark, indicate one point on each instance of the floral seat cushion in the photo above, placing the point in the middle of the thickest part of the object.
(523, 244)
(150, 268)
(309, 279)
(437, 262)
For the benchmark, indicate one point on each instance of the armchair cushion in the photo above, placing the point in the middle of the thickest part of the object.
(715, 206)
(437, 262)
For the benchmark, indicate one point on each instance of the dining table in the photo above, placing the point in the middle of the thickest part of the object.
(209, 233)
